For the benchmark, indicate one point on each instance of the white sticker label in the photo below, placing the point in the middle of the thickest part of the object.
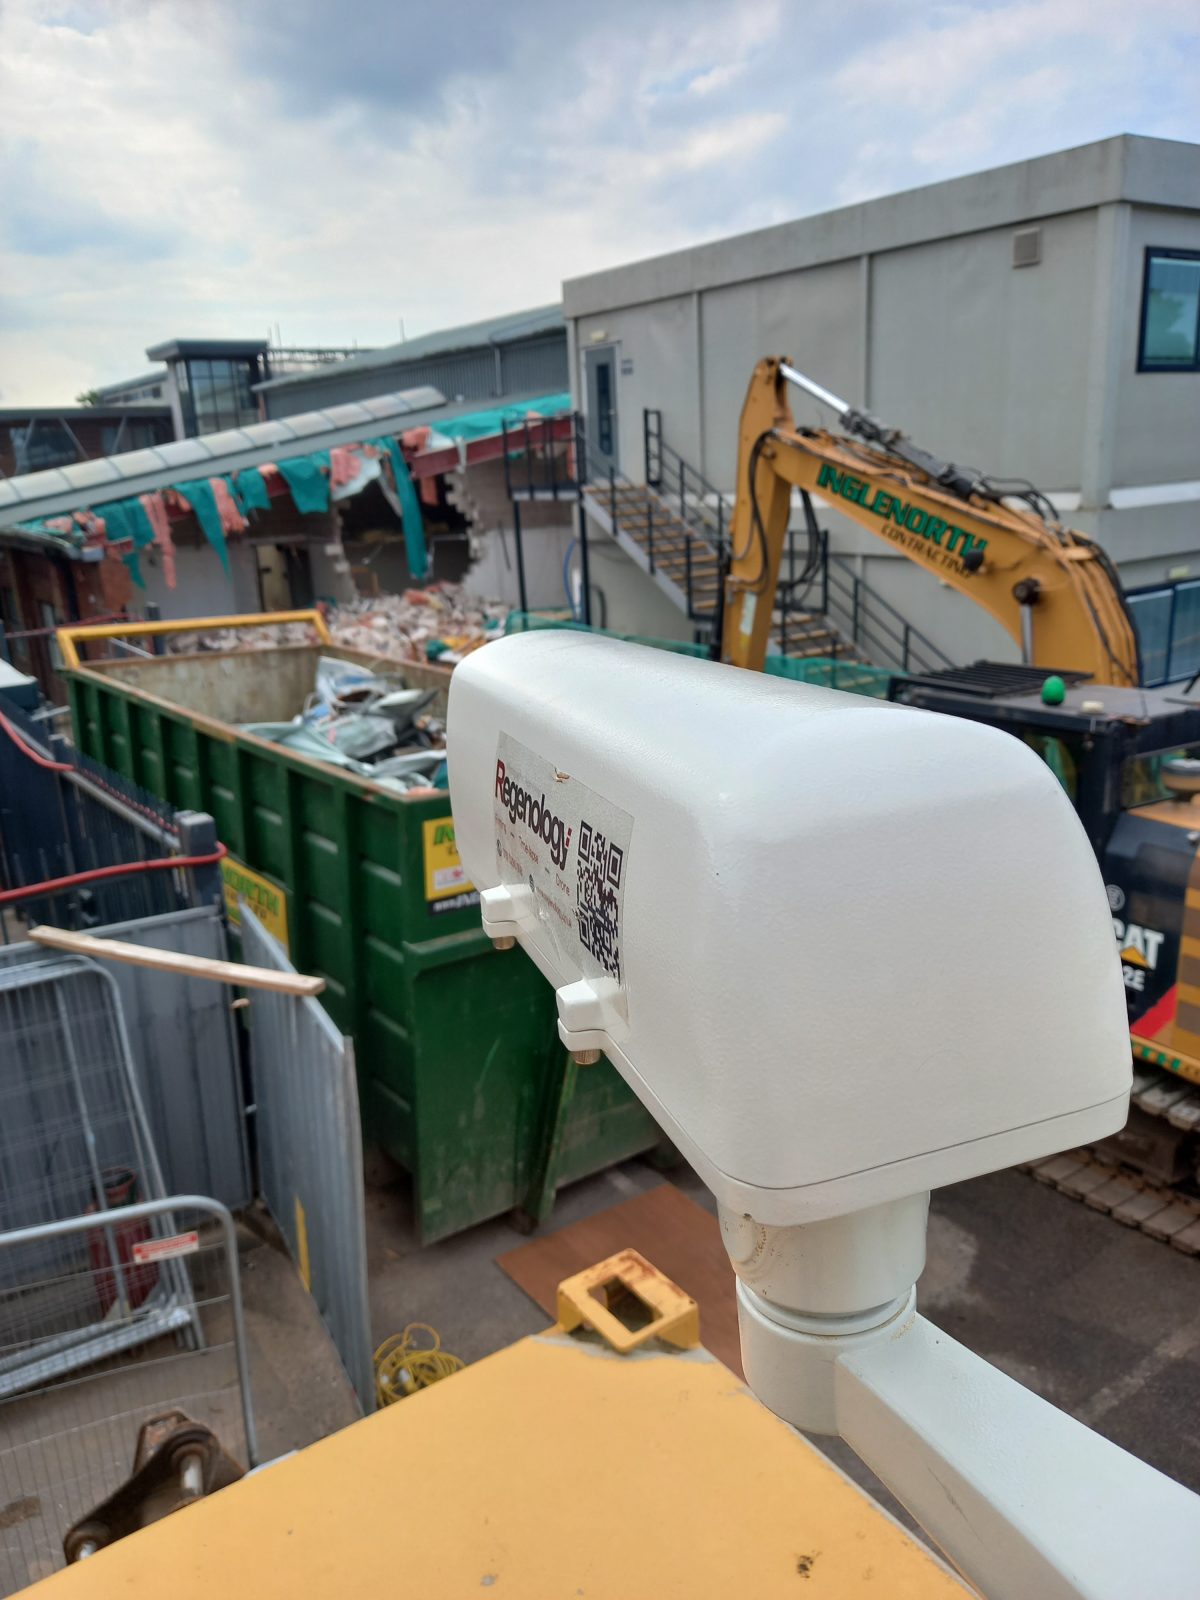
(571, 847)
(179, 1244)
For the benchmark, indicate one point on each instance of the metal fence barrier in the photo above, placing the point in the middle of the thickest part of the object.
(184, 1050)
(62, 814)
(74, 1136)
(108, 1319)
(310, 1153)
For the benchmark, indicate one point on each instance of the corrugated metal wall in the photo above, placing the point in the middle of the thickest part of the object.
(529, 367)
(536, 366)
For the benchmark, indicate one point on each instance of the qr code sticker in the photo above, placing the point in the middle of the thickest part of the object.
(597, 906)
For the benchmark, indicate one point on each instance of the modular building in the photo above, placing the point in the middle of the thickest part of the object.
(1039, 321)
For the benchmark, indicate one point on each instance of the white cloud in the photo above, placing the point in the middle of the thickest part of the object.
(214, 168)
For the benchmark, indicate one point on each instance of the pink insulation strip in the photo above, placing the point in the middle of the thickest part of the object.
(156, 512)
(344, 466)
(232, 520)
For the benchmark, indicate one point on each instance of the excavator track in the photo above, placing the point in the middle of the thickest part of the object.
(1144, 1177)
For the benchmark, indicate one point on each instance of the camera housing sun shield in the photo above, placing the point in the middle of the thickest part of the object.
(850, 951)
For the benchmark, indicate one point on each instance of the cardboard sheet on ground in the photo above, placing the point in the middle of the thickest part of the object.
(679, 1237)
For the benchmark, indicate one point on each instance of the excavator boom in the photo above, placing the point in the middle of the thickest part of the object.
(1053, 590)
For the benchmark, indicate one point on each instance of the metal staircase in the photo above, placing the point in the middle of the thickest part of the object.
(675, 526)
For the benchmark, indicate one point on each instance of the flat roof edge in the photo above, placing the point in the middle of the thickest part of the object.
(1128, 167)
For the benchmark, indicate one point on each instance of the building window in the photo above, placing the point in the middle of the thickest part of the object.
(216, 395)
(1170, 338)
(44, 443)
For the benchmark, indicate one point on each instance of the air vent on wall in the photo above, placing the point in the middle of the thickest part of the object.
(1027, 247)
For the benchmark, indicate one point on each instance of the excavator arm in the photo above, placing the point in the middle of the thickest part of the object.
(1053, 590)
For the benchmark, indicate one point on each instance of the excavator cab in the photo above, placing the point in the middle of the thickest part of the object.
(1130, 761)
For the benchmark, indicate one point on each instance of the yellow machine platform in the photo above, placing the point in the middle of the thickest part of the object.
(556, 1468)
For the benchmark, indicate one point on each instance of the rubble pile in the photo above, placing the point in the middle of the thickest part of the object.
(442, 623)
(369, 723)
(261, 638)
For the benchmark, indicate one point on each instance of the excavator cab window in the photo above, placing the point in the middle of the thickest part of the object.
(1059, 757)
(1142, 779)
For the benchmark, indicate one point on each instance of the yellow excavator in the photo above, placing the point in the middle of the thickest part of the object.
(1122, 751)
(1054, 591)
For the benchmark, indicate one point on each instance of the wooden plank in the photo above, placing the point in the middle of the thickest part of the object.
(679, 1237)
(136, 955)
(665, 538)
(702, 556)
(673, 562)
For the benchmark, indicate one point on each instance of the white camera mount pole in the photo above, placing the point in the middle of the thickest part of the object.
(1025, 1501)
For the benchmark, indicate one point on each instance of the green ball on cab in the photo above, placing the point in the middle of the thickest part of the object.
(1054, 690)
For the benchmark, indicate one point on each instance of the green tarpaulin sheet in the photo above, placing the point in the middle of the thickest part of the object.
(250, 490)
(127, 519)
(482, 424)
(308, 484)
(199, 495)
(410, 509)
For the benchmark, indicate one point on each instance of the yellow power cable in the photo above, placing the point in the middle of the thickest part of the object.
(403, 1366)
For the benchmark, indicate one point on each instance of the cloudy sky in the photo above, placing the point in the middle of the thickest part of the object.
(199, 167)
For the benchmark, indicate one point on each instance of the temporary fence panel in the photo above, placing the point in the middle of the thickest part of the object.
(101, 1329)
(182, 1039)
(60, 823)
(832, 672)
(537, 621)
(310, 1153)
(74, 1136)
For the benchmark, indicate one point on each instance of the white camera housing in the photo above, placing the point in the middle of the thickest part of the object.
(845, 951)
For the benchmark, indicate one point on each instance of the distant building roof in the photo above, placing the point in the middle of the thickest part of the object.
(113, 413)
(508, 329)
(158, 375)
(87, 483)
(180, 349)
